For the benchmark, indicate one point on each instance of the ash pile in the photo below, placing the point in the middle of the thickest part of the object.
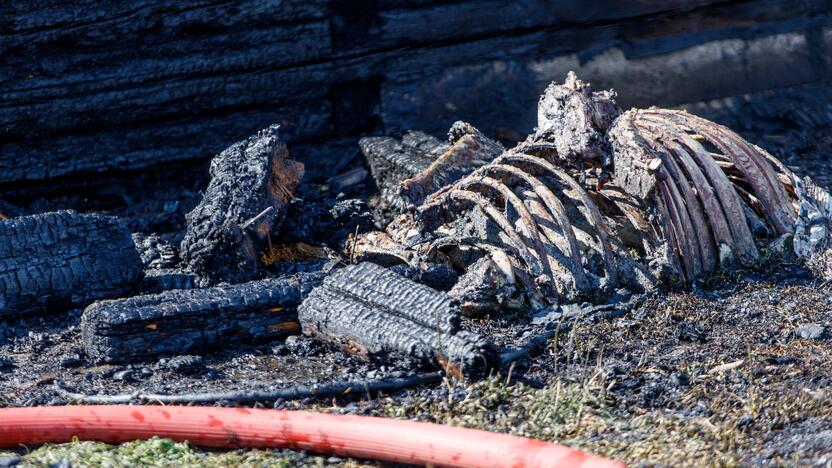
(595, 209)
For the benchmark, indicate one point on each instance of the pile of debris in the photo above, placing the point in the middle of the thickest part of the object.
(595, 206)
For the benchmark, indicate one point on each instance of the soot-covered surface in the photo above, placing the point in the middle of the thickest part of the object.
(736, 371)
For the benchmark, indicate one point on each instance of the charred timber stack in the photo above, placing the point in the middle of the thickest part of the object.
(122, 86)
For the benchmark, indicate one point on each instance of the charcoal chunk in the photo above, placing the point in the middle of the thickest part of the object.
(55, 260)
(155, 252)
(193, 321)
(251, 183)
(325, 222)
(373, 312)
(186, 364)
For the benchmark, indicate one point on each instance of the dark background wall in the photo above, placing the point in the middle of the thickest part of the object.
(106, 85)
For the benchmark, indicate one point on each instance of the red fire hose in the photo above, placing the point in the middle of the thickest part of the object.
(356, 436)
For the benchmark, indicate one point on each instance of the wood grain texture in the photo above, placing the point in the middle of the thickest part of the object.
(106, 86)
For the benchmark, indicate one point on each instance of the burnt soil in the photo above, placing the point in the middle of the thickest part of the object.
(727, 373)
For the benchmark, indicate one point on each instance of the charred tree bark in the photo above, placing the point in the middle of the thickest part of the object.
(373, 312)
(192, 321)
(7, 210)
(251, 184)
(56, 260)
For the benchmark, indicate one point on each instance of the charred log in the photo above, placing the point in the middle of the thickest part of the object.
(85, 94)
(251, 183)
(56, 260)
(373, 312)
(193, 321)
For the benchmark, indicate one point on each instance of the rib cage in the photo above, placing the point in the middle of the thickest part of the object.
(550, 224)
(716, 195)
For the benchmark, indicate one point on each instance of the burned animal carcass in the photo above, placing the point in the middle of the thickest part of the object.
(597, 202)
(598, 199)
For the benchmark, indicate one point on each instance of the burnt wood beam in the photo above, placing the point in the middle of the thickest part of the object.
(52, 261)
(193, 321)
(375, 313)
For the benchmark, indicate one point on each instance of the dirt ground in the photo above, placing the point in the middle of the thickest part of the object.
(736, 371)
(728, 374)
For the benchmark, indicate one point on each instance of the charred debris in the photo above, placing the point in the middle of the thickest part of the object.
(596, 206)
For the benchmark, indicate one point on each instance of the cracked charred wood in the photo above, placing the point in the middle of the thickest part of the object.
(155, 252)
(162, 271)
(61, 259)
(193, 321)
(373, 312)
(251, 183)
(83, 93)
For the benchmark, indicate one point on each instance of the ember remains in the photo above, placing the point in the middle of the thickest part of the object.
(597, 206)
